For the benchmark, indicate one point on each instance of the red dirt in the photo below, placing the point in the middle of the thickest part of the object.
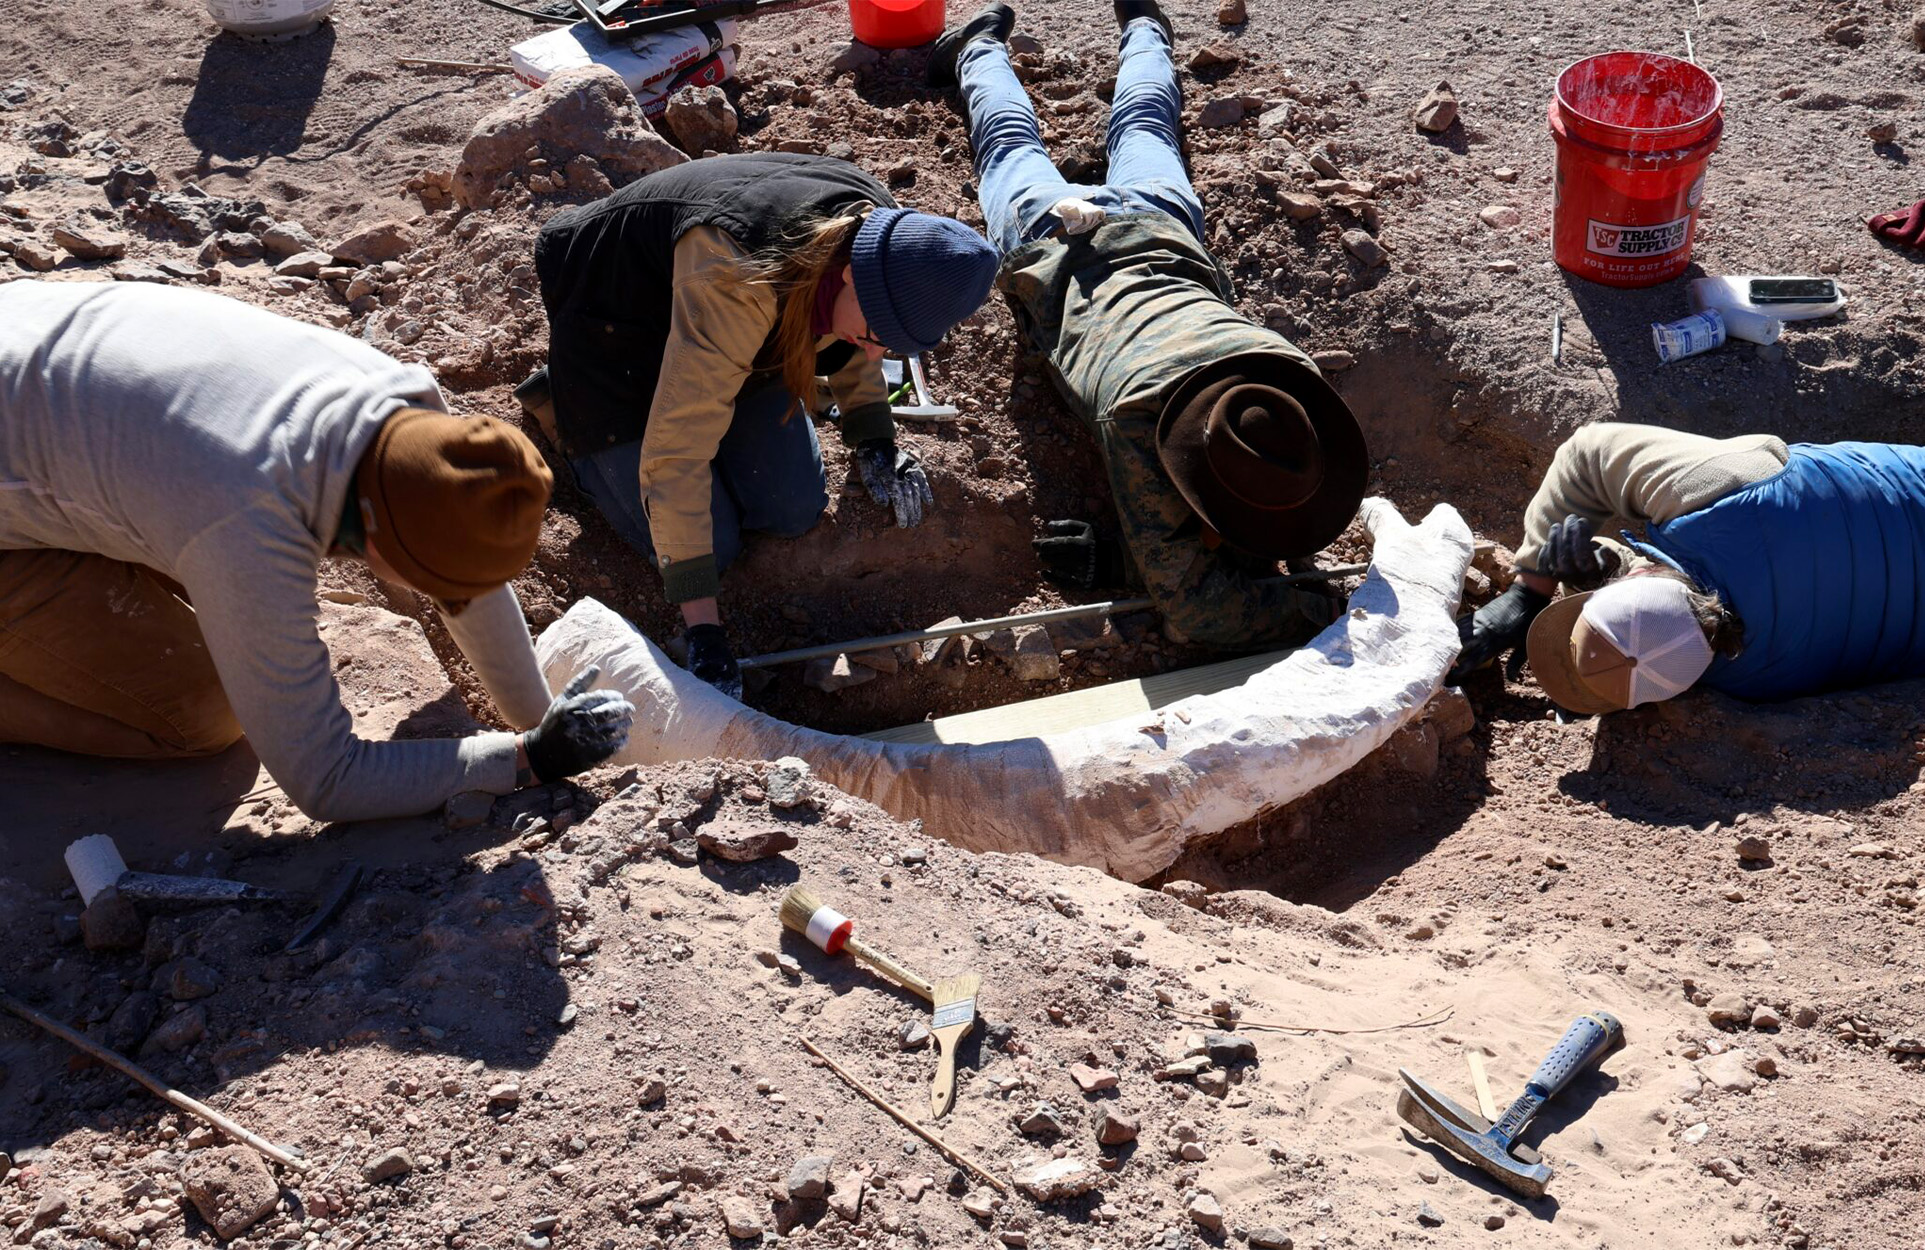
(1412, 883)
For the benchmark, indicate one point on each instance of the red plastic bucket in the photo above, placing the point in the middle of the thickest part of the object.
(896, 23)
(1634, 131)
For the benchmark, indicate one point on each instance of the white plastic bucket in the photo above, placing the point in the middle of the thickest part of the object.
(269, 19)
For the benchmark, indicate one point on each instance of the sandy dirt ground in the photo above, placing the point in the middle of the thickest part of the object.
(574, 1034)
(1515, 876)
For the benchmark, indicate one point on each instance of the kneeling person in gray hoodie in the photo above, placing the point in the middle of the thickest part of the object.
(174, 466)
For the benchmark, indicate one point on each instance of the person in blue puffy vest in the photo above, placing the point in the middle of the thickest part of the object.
(1767, 572)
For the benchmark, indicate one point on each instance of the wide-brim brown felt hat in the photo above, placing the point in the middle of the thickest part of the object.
(1265, 452)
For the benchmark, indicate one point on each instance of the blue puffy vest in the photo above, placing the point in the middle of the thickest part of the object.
(1825, 563)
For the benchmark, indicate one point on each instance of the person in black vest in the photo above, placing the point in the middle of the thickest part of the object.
(689, 316)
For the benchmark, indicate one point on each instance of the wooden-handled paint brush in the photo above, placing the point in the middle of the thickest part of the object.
(834, 932)
(955, 1001)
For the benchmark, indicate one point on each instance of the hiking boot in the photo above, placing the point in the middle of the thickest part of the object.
(1128, 11)
(537, 401)
(994, 21)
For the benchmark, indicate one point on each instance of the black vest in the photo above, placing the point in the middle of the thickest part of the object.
(607, 277)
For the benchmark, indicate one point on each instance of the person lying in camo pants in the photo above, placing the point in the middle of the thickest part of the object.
(1226, 449)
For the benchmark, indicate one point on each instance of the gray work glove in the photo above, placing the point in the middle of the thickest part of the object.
(581, 728)
(894, 479)
(1574, 557)
(1499, 626)
(710, 658)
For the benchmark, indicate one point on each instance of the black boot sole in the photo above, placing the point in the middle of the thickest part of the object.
(997, 21)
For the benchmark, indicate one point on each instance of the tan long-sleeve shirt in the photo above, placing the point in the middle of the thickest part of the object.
(718, 324)
(1644, 475)
(215, 443)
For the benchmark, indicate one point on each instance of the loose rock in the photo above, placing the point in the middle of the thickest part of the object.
(809, 1178)
(1214, 55)
(132, 1020)
(179, 1031)
(1731, 1071)
(1437, 110)
(588, 112)
(1057, 1178)
(702, 119)
(471, 807)
(1753, 849)
(1035, 657)
(1271, 1239)
(1043, 1120)
(1113, 1129)
(1092, 1079)
(1366, 249)
(788, 782)
(743, 845)
(1204, 1208)
(853, 56)
(1222, 112)
(1232, 13)
(87, 242)
(303, 265)
(187, 979)
(1299, 205)
(372, 245)
(1229, 1048)
(1499, 216)
(288, 238)
(846, 1200)
(1729, 1009)
(387, 1165)
(913, 1035)
(741, 1217)
(231, 1188)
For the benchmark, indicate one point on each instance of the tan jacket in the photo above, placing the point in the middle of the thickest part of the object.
(718, 325)
(1642, 474)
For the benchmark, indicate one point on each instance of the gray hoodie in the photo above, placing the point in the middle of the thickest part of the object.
(216, 443)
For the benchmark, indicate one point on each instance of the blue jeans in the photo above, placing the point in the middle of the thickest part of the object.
(767, 476)
(1017, 182)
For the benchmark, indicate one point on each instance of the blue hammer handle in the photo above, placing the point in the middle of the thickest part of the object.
(1588, 1040)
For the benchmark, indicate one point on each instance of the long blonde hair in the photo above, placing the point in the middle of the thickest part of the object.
(795, 267)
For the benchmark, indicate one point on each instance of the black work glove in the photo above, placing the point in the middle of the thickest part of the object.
(581, 728)
(895, 479)
(1574, 557)
(710, 659)
(1074, 554)
(1497, 627)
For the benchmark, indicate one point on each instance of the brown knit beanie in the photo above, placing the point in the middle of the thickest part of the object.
(453, 503)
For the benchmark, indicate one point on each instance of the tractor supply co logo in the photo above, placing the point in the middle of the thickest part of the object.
(1610, 240)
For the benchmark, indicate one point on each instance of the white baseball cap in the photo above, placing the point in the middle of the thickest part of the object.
(1635, 641)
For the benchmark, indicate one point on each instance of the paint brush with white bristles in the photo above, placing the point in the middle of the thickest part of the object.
(834, 932)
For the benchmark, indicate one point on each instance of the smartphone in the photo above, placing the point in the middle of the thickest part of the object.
(1793, 291)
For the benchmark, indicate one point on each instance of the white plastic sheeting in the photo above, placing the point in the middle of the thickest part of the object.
(1125, 796)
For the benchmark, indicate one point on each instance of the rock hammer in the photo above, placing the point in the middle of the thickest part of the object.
(1589, 1039)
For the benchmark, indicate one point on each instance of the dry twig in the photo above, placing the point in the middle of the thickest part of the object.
(954, 1155)
(285, 1158)
(1425, 1021)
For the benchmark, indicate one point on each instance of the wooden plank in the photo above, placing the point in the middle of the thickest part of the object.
(1055, 713)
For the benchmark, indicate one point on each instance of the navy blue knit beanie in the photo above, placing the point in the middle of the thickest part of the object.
(917, 275)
